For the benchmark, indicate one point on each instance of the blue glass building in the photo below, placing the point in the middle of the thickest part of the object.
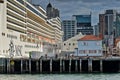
(83, 24)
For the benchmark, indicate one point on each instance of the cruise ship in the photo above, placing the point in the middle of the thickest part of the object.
(25, 30)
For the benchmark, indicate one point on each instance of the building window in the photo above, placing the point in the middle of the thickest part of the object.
(85, 43)
(80, 51)
(99, 51)
(73, 44)
(98, 44)
(90, 51)
(69, 44)
(3, 34)
(95, 51)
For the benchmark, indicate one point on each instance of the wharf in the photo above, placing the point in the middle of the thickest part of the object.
(59, 65)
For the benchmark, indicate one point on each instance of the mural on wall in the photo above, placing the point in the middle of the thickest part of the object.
(14, 50)
(11, 48)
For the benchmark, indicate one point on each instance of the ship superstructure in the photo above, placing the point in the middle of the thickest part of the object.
(24, 28)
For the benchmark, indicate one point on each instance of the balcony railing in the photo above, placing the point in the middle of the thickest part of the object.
(32, 9)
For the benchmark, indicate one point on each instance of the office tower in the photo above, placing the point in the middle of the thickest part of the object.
(68, 28)
(51, 11)
(83, 24)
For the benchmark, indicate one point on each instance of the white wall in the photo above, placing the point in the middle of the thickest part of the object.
(2, 25)
(69, 46)
(88, 47)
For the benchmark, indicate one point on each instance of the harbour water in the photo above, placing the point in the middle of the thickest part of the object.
(115, 76)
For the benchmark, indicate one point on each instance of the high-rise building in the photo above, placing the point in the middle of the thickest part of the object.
(107, 22)
(68, 28)
(83, 24)
(96, 29)
(110, 18)
(117, 25)
(52, 12)
(78, 24)
(102, 24)
(109, 26)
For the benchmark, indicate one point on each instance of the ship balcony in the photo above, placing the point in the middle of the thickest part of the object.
(37, 24)
(58, 36)
(15, 27)
(16, 9)
(32, 9)
(42, 21)
(16, 21)
(38, 32)
(19, 5)
(38, 28)
(58, 32)
(16, 15)
(56, 22)
(57, 26)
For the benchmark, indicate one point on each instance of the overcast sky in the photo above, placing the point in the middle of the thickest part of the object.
(71, 7)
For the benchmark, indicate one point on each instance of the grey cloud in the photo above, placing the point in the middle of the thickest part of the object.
(66, 0)
(70, 7)
(92, 0)
(86, 1)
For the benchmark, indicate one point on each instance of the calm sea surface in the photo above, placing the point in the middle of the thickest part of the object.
(62, 77)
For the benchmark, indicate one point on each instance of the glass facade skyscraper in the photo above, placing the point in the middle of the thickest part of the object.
(79, 24)
(83, 24)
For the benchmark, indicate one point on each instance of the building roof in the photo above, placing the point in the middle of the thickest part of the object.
(90, 37)
(75, 38)
(117, 40)
(49, 5)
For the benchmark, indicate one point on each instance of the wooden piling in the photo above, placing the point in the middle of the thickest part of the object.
(101, 65)
(76, 66)
(29, 65)
(8, 65)
(37, 66)
(69, 65)
(40, 65)
(80, 65)
(4, 65)
(63, 65)
(51, 65)
(21, 65)
(27, 68)
(60, 65)
(119, 66)
(90, 65)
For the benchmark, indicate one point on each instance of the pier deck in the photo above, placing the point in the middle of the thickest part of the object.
(60, 65)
